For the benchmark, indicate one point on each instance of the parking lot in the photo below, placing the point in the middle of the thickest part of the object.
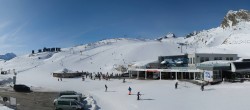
(32, 100)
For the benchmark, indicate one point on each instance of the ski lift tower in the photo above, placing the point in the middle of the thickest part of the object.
(182, 44)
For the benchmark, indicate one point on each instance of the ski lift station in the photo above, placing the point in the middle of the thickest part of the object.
(210, 67)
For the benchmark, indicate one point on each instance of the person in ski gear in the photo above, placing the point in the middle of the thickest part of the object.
(83, 78)
(176, 84)
(129, 90)
(202, 87)
(138, 95)
(123, 80)
(106, 88)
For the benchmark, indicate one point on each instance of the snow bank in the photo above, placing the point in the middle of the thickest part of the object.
(5, 80)
(91, 104)
(4, 107)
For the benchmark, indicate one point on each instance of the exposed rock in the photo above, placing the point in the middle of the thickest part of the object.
(234, 17)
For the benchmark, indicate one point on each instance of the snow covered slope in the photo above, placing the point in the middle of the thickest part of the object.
(102, 56)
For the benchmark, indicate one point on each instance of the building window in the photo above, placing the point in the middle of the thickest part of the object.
(193, 60)
(202, 59)
(231, 58)
(219, 58)
(227, 58)
(206, 59)
(63, 103)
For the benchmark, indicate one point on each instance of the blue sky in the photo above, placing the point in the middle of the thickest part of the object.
(27, 25)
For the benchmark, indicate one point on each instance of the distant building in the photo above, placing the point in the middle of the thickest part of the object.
(54, 49)
(210, 67)
(39, 50)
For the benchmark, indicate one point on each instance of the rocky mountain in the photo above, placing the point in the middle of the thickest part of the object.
(169, 35)
(8, 56)
(234, 17)
(235, 23)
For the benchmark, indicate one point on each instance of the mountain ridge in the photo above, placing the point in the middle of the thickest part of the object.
(8, 56)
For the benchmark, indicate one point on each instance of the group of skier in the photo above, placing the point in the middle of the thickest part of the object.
(202, 86)
(129, 92)
(139, 94)
(100, 76)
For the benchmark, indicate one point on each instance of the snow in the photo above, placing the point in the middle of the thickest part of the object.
(142, 63)
(159, 95)
(4, 108)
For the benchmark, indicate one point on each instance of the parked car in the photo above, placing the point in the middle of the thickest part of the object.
(68, 104)
(70, 93)
(21, 88)
(76, 97)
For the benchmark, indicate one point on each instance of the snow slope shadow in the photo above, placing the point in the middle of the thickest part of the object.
(146, 99)
(210, 89)
(110, 91)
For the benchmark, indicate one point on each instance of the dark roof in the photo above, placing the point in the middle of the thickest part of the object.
(241, 66)
(214, 66)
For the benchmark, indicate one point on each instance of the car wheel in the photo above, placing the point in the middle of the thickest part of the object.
(59, 109)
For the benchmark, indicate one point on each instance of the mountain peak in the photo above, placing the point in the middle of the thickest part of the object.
(8, 56)
(169, 35)
(234, 17)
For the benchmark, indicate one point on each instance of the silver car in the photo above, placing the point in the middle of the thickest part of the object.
(68, 104)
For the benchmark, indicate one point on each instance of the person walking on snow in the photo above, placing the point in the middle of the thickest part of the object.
(129, 89)
(176, 84)
(202, 87)
(106, 87)
(138, 95)
(83, 78)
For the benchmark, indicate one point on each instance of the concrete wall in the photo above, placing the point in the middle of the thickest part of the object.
(199, 57)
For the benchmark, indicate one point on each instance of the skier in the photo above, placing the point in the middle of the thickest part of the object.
(83, 78)
(138, 95)
(202, 87)
(176, 84)
(129, 89)
(106, 87)
(124, 80)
